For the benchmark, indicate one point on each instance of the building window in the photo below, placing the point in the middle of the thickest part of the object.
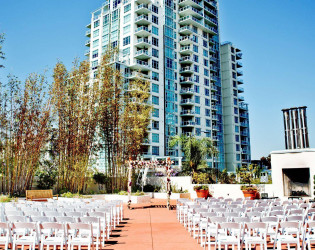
(207, 112)
(237, 147)
(126, 40)
(155, 112)
(208, 123)
(238, 157)
(155, 151)
(155, 9)
(95, 53)
(207, 102)
(127, 18)
(155, 64)
(155, 138)
(205, 43)
(155, 76)
(198, 131)
(96, 33)
(155, 30)
(96, 23)
(197, 110)
(235, 111)
(197, 99)
(236, 119)
(126, 51)
(205, 53)
(155, 19)
(127, 8)
(233, 66)
(155, 88)
(196, 78)
(237, 138)
(207, 92)
(155, 53)
(155, 100)
(206, 62)
(196, 68)
(235, 101)
(232, 50)
(206, 72)
(207, 82)
(126, 29)
(197, 89)
(197, 120)
(233, 58)
(195, 48)
(195, 58)
(237, 129)
(155, 41)
(155, 125)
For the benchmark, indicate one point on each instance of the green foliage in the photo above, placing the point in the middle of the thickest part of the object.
(202, 178)
(123, 193)
(47, 175)
(249, 188)
(148, 188)
(195, 150)
(76, 195)
(246, 174)
(178, 190)
(100, 178)
(201, 187)
(4, 198)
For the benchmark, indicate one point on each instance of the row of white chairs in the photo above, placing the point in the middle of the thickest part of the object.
(203, 217)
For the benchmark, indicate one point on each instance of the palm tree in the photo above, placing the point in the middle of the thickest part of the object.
(195, 150)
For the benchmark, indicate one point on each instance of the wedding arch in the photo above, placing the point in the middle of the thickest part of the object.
(152, 164)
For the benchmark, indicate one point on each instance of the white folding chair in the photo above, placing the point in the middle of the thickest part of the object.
(288, 233)
(5, 234)
(228, 233)
(83, 235)
(95, 222)
(256, 234)
(29, 237)
(55, 237)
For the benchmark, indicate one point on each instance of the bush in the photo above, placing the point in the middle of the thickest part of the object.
(4, 198)
(201, 187)
(123, 193)
(148, 188)
(46, 175)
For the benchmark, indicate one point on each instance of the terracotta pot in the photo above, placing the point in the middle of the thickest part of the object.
(250, 193)
(202, 193)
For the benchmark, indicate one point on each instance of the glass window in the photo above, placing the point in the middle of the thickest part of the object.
(155, 76)
(197, 120)
(197, 89)
(96, 43)
(155, 88)
(155, 112)
(96, 23)
(155, 19)
(237, 138)
(94, 64)
(126, 29)
(235, 101)
(205, 53)
(238, 157)
(195, 48)
(207, 112)
(115, 15)
(207, 92)
(207, 82)
(197, 99)
(155, 151)
(195, 58)
(126, 51)
(127, 18)
(207, 102)
(155, 125)
(155, 138)
(197, 110)
(236, 119)
(206, 62)
(196, 68)
(155, 30)
(155, 100)
(127, 8)
(208, 123)
(236, 111)
(95, 53)
(155, 41)
(96, 33)
(237, 129)
(126, 40)
(155, 53)
(198, 131)
(155, 9)
(206, 72)
(205, 44)
(237, 147)
(155, 64)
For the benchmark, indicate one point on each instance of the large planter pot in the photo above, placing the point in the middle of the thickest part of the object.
(250, 193)
(202, 193)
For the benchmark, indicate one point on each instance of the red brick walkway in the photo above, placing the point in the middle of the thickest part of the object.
(151, 228)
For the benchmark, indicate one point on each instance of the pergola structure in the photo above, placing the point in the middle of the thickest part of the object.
(154, 164)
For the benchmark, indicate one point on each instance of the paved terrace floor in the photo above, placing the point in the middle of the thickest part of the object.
(151, 228)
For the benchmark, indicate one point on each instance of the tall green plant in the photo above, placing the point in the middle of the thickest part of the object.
(195, 150)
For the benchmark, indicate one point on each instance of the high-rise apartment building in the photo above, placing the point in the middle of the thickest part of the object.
(235, 110)
(175, 45)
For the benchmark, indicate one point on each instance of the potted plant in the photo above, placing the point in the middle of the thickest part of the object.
(202, 191)
(246, 174)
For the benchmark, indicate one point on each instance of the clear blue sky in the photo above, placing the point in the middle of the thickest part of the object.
(277, 39)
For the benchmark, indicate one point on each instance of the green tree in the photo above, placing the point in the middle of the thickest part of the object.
(195, 150)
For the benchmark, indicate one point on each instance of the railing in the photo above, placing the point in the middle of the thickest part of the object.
(186, 79)
(142, 28)
(140, 62)
(142, 6)
(214, 106)
(214, 97)
(243, 133)
(182, 38)
(187, 47)
(212, 50)
(142, 17)
(213, 68)
(215, 88)
(88, 33)
(186, 69)
(186, 101)
(137, 74)
(243, 115)
(243, 105)
(215, 117)
(87, 42)
(187, 112)
(186, 27)
(211, 20)
(190, 17)
(239, 72)
(215, 138)
(140, 52)
(195, 1)
(143, 40)
(239, 55)
(239, 64)
(188, 123)
(215, 127)
(244, 142)
(191, 8)
(187, 90)
(184, 58)
(210, 10)
(244, 124)
(240, 80)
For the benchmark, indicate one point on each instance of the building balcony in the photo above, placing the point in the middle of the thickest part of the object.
(143, 9)
(213, 68)
(211, 21)
(186, 70)
(187, 124)
(240, 81)
(239, 64)
(244, 115)
(189, 10)
(88, 43)
(186, 80)
(187, 20)
(187, 102)
(215, 128)
(185, 30)
(142, 31)
(214, 98)
(210, 29)
(239, 72)
(143, 1)
(244, 124)
(244, 142)
(88, 26)
(243, 105)
(215, 117)
(88, 33)
(214, 88)
(244, 133)
(142, 54)
(87, 52)
(137, 75)
(214, 107)
(143, 43)
(214, 79)
(210, 11)
(186, 60)
(186, 50)
(140, 65)
(241, 98)
(187, 112)
(245, 152)
(240, 90)
(213, 59)
(193, 3)
(239, 56)
(215, 138)
(212, 50)
(187, 91)
(142, 20)
(185, 40)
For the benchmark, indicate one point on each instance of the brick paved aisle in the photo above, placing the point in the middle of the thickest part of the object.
(151, 228)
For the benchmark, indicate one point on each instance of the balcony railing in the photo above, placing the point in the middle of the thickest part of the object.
(187, 101)
(190, 17)
(142, 28)
(188, 123)
(140, 62)
(187, 27)
(186, 79)
(195, 1)
(187, 91)
(191, 8)
(140, 52)
(143, 40)
(187, 112)
(243, 105)
(142, 17)
(142, 6)
(187, 47)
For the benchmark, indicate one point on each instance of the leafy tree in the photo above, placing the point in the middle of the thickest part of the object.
(266, 161)
(195, 150)
(47, 175)
(101, 179)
